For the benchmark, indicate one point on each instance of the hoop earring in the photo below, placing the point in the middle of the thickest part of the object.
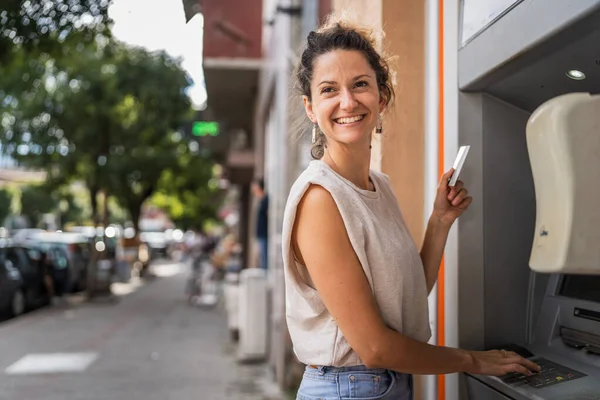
(314, 134)
(379, 125)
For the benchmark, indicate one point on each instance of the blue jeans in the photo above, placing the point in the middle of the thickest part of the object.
(264, 249)
(329, 383)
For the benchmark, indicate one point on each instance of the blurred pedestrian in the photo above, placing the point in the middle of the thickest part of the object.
(262, 221)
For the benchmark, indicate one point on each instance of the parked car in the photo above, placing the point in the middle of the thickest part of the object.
(108, 251)
(12, 298)
(157, 243)
(20, 235)
(23, 274)
(66, 249)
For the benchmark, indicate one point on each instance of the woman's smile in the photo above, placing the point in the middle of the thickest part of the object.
(350, 120)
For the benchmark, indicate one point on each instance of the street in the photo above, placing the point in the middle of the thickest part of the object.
(150, 344)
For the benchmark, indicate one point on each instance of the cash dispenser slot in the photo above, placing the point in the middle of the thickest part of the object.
(580, 340)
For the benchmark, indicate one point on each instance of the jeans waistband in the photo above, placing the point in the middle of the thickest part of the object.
(322, 369)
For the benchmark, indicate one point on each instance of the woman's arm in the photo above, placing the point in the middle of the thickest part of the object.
(433, 249)
(449, 204)
(321, 243)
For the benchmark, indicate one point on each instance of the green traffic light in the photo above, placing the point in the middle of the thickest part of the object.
(203, 128)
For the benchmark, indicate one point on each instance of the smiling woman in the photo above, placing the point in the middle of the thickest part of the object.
(356, 285)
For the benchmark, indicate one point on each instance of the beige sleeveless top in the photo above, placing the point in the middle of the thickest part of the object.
(388, 256)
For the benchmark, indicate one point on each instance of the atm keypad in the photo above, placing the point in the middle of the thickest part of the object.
(550, 374)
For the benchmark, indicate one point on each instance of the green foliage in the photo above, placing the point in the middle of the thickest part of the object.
(147, 120)
(36, 200)
(73, 212)
(6, 198)
(43, 26)
(118, 214)
(188, 192)
(73, 205)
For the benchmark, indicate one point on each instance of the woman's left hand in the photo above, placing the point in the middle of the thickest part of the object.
(450, 202)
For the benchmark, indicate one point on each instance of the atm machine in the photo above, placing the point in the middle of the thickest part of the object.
(562, 308)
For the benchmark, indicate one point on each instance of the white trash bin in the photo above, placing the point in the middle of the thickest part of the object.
(253, 332)
(231, 291)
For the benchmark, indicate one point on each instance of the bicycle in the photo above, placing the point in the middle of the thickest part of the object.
(194, 282)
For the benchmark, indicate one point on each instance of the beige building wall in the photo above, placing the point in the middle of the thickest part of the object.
(400, 151)
(403, 149)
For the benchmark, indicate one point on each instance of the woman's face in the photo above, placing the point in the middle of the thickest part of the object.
(345, 97)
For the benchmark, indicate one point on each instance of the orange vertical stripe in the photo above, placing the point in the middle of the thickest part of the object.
(441, 315)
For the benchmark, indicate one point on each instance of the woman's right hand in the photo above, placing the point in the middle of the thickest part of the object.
(501, 362)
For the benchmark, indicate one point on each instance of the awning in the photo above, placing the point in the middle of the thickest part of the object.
(191, 8)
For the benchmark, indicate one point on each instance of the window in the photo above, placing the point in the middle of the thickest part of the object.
(11, 255)
(59, 258)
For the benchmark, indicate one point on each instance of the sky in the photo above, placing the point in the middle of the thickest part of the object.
(160, 25)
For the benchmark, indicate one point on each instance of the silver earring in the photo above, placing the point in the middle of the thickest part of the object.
(379, 126)
(314, 134)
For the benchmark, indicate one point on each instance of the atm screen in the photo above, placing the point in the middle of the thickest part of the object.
(583, 287)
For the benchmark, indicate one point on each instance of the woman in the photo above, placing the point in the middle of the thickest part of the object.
(356, 286)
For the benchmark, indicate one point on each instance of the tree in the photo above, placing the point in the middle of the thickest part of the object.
(148, 119)
(189, 192)
(35, 37)
(86, 108)
(42, 26)
(54, 123)
(97, 119)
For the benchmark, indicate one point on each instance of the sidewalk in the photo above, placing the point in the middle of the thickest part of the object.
(149, 345)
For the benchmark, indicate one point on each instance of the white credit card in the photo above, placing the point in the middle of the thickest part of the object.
(458, 164)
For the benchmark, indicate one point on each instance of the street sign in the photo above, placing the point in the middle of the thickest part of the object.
(205, 128)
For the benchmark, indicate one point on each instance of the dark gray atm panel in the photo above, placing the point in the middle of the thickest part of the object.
(478, 390)
(566, 344)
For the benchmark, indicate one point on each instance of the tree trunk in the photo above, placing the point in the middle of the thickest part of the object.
(105, 213)
(91, 267)
(134, 206)
(135, 210)
(94, 203)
